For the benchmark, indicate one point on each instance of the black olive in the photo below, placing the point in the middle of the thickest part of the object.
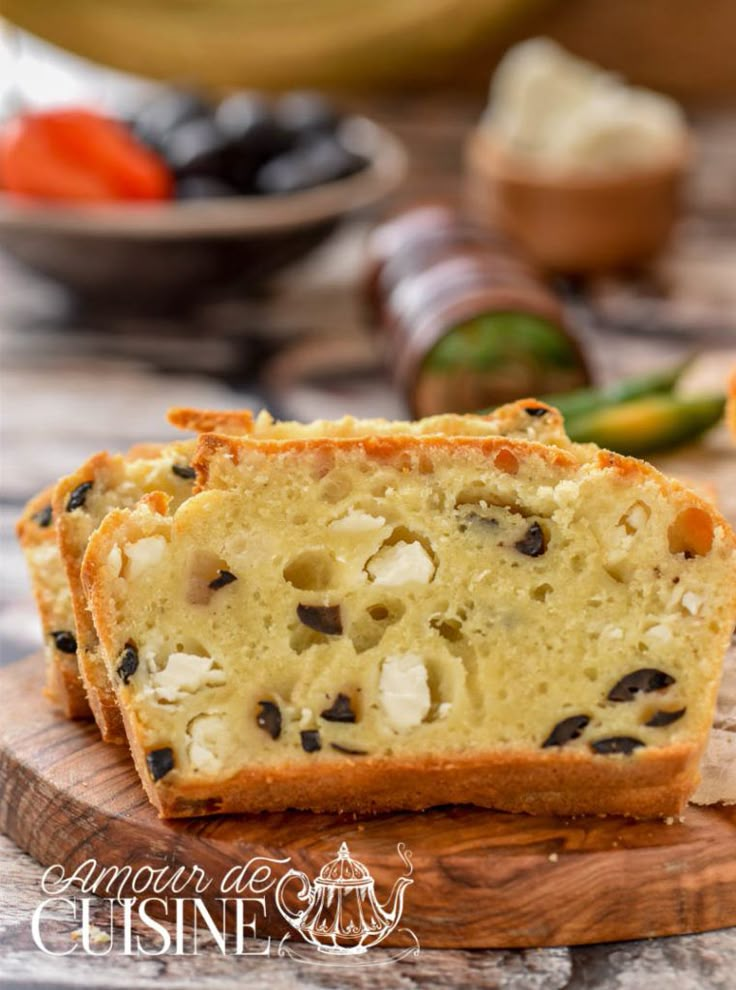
(166, 111)
(616, 744)
(269, 718)
(304, 112)
(535, 411)
(533, 543)
(339, 711)
(662, 718)
(239, 113)
(223, 578)
(160, 762)
(128, 663)
(184, 471)
(64, 641)
(43, 517)
(566, 730)
(204, 187)
(254, 136)
(313, 164)
(78, 497)
(196, 147)
(645, 679)
(322, 618)
(310, 740)
(346, 749)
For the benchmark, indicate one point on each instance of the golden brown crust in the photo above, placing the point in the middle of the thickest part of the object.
(631, 468)
(522, 418)
(646, 785)
(63, 685)
(93, 673)
(211, 420)
(380, 448)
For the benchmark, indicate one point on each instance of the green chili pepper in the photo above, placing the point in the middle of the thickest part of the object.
(588, 400)
(647, 424)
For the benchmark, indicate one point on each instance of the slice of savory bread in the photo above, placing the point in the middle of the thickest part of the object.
(527, 419)
(108, 481)
(37, 536)
(80, 502)
(403, 621)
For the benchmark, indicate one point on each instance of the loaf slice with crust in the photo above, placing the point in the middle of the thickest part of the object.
(37, 536)
(149, 467)
(527, 419)
(80, 502)
(104, 482)
(403, 621)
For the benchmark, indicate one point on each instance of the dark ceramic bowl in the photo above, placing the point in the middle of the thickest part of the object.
(165, 252)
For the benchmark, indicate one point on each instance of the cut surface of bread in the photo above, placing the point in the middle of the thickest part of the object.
(80, 503)
(403, 621)
(37, 536)
(117, 482)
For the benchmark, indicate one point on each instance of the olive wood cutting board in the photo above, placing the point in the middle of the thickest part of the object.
(480, 878)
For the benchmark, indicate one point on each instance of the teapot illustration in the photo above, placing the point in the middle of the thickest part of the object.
(342, 914)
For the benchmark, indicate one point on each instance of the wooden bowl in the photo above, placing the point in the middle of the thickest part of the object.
(575, 221)
(160, 254)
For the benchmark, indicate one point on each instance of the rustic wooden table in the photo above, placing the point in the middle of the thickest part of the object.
(73, 384)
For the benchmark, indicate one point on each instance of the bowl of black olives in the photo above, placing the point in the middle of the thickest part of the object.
(184, 195)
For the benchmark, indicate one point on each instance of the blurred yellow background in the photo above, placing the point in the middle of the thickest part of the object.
(679, 46)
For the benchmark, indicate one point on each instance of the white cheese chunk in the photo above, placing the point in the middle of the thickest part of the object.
(691, 602)
(636, 518)
(45, 554)
(357, 522)
(143, 554)
(658, 634)
(612, 632)
(403, 691)
(400, 564)
(115, 561)
(568, 113)
(207, 735)
(186, 673)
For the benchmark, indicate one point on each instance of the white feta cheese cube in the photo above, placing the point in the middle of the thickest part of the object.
(115, 561)
(401, 563)
(207, 735)
(186, 673)
(403, 691)
(357, 521)
(691, 602)
(658, 634)
(144, 553)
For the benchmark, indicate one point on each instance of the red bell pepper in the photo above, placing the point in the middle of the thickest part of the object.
(80, 156)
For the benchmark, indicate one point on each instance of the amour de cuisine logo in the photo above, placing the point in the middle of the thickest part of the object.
(335, 918)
